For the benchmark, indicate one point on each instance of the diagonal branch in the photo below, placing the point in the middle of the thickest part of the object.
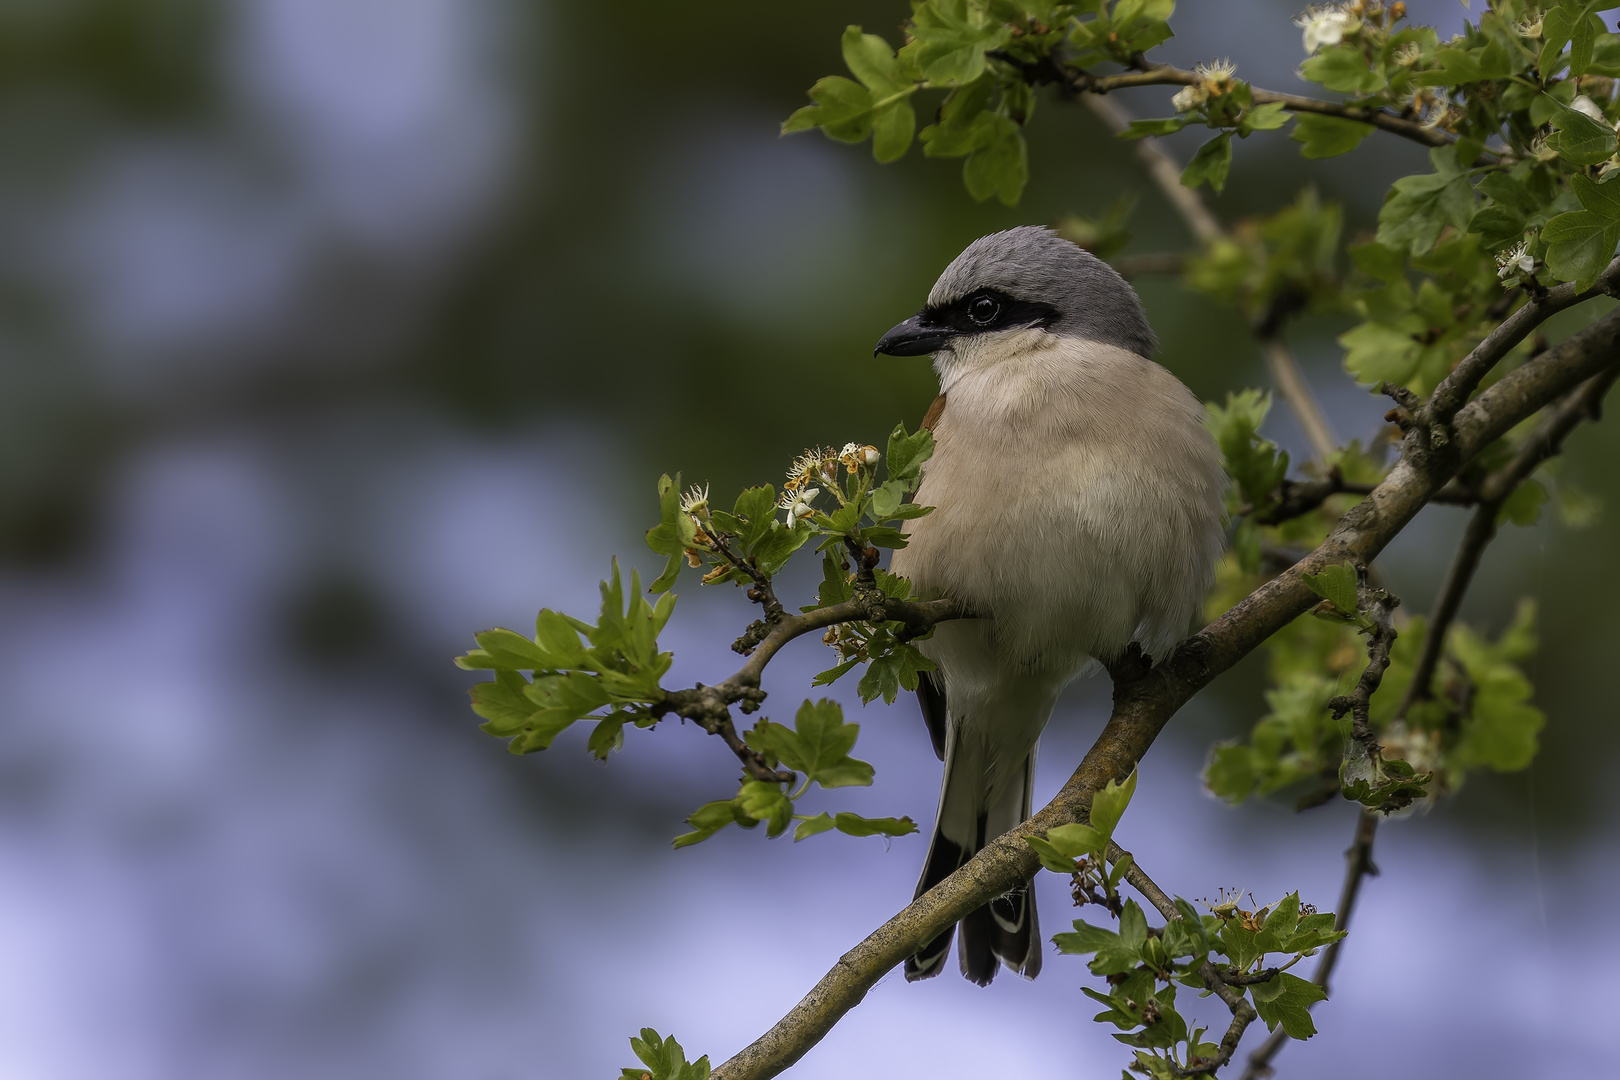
(1144, 705)
(1456, 387)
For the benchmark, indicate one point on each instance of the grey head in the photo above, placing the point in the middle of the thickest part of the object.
(1025, 277)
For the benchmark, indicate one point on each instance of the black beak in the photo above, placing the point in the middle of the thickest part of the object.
(914, 337)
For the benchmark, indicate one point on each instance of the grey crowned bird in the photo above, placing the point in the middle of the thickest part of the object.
(1078, 508)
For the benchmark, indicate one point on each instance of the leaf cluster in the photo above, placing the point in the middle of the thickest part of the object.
(608, 671)
(1145, 965)
(1476, 714)
(817, 746)
(663, 1059)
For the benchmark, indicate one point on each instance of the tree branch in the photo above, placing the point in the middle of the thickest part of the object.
(710, 706)
(1456, 387)
(1169, 75)
(1144, 705)
(1358, 866)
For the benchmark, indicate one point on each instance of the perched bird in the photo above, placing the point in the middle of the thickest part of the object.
(1077, 508)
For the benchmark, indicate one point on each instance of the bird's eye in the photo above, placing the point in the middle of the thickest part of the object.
(984, 310)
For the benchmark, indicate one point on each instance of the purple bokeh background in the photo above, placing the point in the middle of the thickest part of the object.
(223, 856)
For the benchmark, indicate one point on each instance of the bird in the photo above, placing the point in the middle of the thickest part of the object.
(1077, 508)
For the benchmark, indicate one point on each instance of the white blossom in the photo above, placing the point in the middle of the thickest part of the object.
(1189, 98)
(696, 499)
(1325, 24)
(798, 504)
(1408, 54)
(1585, 105)
(1515, 260)
(1215, 71)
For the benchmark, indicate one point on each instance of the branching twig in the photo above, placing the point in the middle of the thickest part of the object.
(710, 706)
(1169, 75)
(1358, 703)
(1144, 705)
(1358, 867)
(1455, 388)
(1215, 979)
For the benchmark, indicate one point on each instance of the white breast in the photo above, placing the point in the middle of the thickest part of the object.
(1078, 505)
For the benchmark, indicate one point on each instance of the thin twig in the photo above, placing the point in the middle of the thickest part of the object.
(1545, 442)
(1169, 75)
(1219, 982)
(1358, 866)
(1456, 387)
(1206, 227)
(710, 706)
(1144, 705)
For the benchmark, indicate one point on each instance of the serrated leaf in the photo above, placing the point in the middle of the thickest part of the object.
(1337, 585)
(1578, 138)
(1211, 163)
(1108, 805)
(1286, 999)
(855, 825)
(707, 820)
(1343, 69)
(818, 824)
(1418, 208)
(1328, 136)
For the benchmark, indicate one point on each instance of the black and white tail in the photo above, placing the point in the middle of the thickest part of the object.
(1006, 930)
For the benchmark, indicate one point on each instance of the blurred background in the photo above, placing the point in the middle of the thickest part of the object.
(332, 331)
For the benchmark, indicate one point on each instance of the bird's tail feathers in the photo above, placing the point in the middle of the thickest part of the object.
(1004, 931)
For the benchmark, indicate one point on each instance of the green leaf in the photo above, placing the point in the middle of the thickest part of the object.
(1051, 858)
(818, 824)
(1076, 840)
(949, 40)
(1578, 138)
(1286, 999)
(1123, 954)
(1337, 585)
(673, 534)
(906, 453)
(1085, 939)
(1343, 69)
(1168, 125)
(1267, 117)
(502, 703)
(765, 801)
(1108, 805)
(1212, 162)
(707, 820)
(1580, 244)
(824, 742)
(855, 825)
(1417, 208)
(607, 736)
(1328, 136)
(664, 1060)
(999, 166)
